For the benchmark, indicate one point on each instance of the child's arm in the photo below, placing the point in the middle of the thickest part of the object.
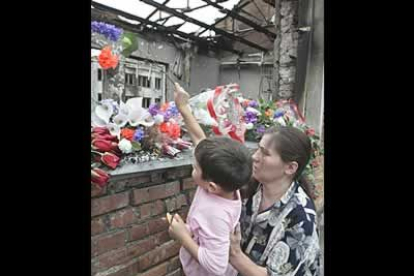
(181, 101)
(179, 231)
(213, 254)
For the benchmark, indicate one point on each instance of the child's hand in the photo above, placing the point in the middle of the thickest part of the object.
(178, 230)
(180, 96)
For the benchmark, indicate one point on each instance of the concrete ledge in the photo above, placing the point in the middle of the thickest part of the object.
(185, 158)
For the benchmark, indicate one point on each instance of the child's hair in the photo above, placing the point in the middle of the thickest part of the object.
(225, 162)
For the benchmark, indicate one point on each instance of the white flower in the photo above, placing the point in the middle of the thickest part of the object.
(281, 121)
(134, 103)
(136, 114)
(249, 126)
(158, 119)
(96, 121)
(125, 146)
(123, 109)
(114, 129)
(120, 119)
(104, 111)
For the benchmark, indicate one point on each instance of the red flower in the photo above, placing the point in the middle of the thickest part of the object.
(103, 145)
(164, 127)
(107, 59)
(310, 132)
(173, 130)
(104, 137)
(99, 177)
(100, 130)
(128, 133)
(111, 160)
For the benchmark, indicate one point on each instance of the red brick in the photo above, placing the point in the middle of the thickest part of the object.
(157, 225)
(157, 177)
(178, 173)
(106, 204)
(181, 201)
(171, 249)
(188, 183)
(139, 248)
(158, 270)
(171, 204)
(108, 260)
(117, 186)
(144, 262)
(164, 190)
(108, 242)
(158, 255)
(145, 210)
(161, 238)
(122, 218)
(137, 232)
(97, 226)
(97, 191)
(128, 269)
(174, 264)
(139, 180)
(158, 208)
(140, 196)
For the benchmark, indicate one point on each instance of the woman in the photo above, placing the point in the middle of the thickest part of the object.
(278, 223)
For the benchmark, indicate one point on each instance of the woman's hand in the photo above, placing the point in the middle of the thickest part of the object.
(240, 261)
(235, 239)
(178, 229)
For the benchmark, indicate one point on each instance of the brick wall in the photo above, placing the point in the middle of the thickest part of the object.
(129, 236)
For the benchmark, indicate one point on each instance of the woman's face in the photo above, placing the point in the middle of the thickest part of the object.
(267, 163)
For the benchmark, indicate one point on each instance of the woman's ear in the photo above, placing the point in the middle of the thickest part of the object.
(291, 168)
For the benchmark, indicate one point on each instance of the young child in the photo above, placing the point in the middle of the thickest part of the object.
(220, 168)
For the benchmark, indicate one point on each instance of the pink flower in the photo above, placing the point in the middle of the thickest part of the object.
(109, 159)
(99, 177)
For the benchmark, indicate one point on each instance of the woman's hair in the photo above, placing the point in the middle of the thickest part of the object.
(292, 145)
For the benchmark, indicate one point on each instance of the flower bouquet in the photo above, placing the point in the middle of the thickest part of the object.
(220, 109)
(126, 132)
(113, 42)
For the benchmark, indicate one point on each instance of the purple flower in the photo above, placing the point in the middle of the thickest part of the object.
(250, 117)
(154, 109)
(167, 115)
(279, 113)
(253, 104)
(173, 109)
(260, 129)
(139, 134)
(107, 30)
